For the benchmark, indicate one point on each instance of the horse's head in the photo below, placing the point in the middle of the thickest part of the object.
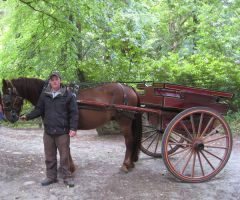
(12, 102)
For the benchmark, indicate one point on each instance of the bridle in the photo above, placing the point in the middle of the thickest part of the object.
(11, 100)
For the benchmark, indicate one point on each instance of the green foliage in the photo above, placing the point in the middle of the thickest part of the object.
(233, 121)
(190, 42)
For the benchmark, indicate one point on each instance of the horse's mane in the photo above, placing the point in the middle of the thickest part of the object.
(29, 88)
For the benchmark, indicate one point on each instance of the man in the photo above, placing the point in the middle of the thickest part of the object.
(1, 109)
(1, 113)
(59, 111)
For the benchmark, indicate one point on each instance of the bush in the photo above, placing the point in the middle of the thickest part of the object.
(204, 71)
(233, 119)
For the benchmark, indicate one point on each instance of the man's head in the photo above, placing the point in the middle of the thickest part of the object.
(55, 80)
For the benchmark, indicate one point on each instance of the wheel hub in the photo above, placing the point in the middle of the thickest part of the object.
(198, 145)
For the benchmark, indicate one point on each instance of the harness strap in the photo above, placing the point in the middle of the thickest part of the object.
(9, 108)
(125, 97)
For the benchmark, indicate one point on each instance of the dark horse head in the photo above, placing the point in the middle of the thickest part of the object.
(14, 91)
(12, 102)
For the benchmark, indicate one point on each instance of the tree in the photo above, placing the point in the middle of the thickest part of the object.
(189, 42)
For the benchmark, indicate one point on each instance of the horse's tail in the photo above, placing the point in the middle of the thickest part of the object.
(137, 133)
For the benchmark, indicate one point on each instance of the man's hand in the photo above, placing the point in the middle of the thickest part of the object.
(72, 133)
(23, 118)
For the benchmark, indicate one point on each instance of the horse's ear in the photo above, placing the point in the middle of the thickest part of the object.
(4, 83)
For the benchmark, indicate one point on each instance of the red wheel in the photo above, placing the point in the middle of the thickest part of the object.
(205, 147)
(152, 134)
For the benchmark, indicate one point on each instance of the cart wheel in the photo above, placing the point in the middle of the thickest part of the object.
(152, 134)
(206, 145)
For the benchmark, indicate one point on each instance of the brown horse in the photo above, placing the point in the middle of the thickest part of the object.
(90, 117)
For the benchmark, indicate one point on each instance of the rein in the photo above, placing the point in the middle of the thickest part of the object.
(125, 98)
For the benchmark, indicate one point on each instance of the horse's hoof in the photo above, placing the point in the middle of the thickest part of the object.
(124, 169)
(131, 166)
(72, 169)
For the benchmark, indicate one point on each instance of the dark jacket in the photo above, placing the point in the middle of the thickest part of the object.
(60, 114)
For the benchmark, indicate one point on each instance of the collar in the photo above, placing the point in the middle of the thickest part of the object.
(61, 91)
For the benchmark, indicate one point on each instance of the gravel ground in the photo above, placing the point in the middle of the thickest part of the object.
(98, 160)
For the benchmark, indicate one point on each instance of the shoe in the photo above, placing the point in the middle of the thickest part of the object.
(48, 181)
(69, 182)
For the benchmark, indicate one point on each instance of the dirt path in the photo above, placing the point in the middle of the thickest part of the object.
(98, 177)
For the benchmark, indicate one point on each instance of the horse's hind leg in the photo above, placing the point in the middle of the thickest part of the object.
(125, 126)
(72, 167)
(71, 163)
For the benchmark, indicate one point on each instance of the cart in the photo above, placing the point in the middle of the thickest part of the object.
(184, 126)
(190, 134)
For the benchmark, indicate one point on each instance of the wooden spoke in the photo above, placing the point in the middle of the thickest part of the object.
(215, 139)
(181, 136)
(212, 154)
(207, 160)
(186, 164)
(180, 144)
(152, 141)
(149, 137)
(193, 165)
(212, 132)
(185, 128)
(216, 147)
(193, 125)
(172, 139)
(200, 125)
(148, 126)
(207, 127)
(178, 152)
(200, 162)
(182, 157)
(145, 132)
(158, 138)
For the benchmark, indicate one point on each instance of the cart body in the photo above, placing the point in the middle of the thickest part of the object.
(190, 134)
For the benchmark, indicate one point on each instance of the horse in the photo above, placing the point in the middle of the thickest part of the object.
(90, 117)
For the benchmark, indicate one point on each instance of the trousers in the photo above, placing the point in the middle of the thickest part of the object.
(52, 143)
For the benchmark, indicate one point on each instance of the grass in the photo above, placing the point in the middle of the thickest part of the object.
(36, 123)
(233, 120)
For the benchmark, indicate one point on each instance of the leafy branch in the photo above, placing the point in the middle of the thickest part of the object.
(29, 4)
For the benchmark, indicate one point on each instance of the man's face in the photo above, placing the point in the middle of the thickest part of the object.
(55, 82)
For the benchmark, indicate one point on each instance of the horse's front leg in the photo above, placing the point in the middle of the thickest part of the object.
(71, 164)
